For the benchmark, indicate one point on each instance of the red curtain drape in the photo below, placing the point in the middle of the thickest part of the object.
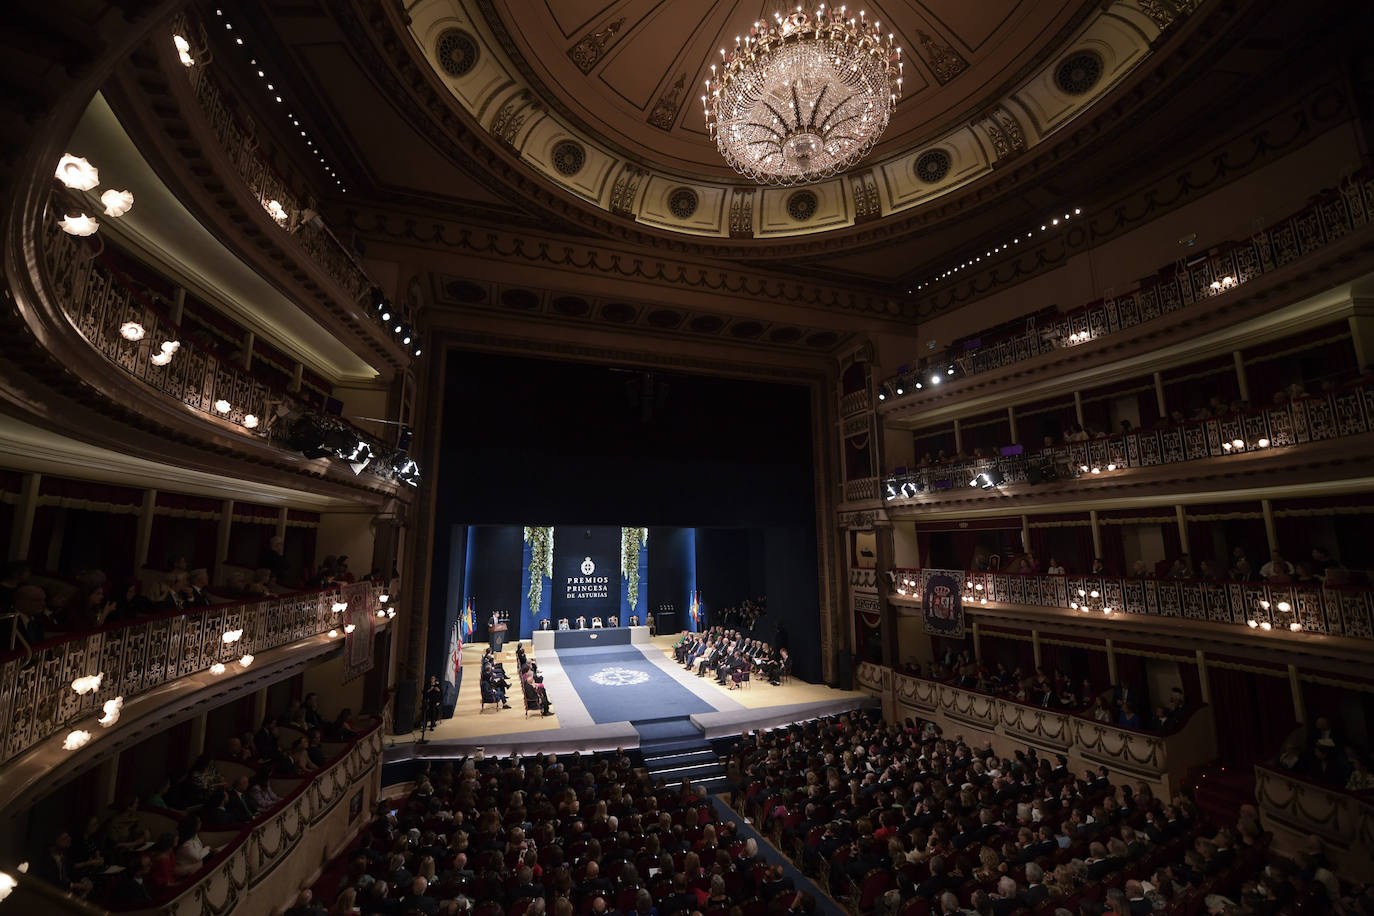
(1254, 714)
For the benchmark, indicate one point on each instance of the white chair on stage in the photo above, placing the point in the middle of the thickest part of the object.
(615, 622)
(634, 620)
(596, 623)
(545, 624)
(562, 623)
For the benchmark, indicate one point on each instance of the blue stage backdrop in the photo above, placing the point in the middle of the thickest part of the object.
(586, 572)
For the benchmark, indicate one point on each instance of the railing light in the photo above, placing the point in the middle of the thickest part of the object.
(1285, 607)
(1252, 623)
(333, 634)
(79, 224)
(89, 683)
(76, 739)
(1295, 626)
(112, 708)
(391, 612)
(250, 421)
(131, 330)
(1263, 442)
(7, 884)
(246, 660)
(1266, 625)
(223, 406)
(117, 203)
(217, 668)
(340, 607)
(383, 597)
(349, 628)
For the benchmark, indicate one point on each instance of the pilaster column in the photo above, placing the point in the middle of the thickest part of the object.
(1267, 508)
(1111, 662)
(958, 438)
(1362, 333)
(1204, 688)
(1097, 533)
(226, 524)
(1025, 534)
(178, 305)
(1159, 396)
(1241, 382)
(1295, 686)
(294, 386)
(145, 528)
(1181, 517)
(107, 782)
(21, 531)
(1011, 423)
(1035, 646)
(1078, 406)
(281, 522)
(887, 612)
(198, 735)
(977, 643)
(248, 339)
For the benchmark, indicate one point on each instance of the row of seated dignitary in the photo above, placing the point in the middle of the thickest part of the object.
(532, 683)
(494, 680)
(731, 656)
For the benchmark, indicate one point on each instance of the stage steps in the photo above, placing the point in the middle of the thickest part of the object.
(673, 748)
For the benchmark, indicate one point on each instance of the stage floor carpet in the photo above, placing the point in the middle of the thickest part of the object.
(584, 707)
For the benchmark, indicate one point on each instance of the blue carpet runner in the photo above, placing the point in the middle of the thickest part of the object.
(619, 684)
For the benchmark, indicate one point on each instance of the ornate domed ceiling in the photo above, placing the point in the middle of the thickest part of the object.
(603, 98)
(632, 71)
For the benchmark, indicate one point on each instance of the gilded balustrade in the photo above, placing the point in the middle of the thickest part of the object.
(1334, 610)
(1348, 411)
(36, 697)
(1331, 217)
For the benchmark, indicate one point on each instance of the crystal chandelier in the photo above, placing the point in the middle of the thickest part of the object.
(804, 98)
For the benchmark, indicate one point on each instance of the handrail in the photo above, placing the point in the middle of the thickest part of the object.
(249, 859)
(98, 305)
(1227, 266)
(1336, 610)
(36, 698)
(265, 183)
(1347, 411)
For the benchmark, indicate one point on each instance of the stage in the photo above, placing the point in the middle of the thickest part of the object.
(621, 689)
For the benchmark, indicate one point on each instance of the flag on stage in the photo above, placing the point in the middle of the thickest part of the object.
(455, 651)
(469, 620)
(696, 611)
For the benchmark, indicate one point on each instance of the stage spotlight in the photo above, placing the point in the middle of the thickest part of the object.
(407, 471)
(882, 395)
(919, 386)
(935, 379)
(992, 479)
(900, 392)
(949, 371)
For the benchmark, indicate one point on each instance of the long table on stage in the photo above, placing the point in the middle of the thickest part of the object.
(550, 640)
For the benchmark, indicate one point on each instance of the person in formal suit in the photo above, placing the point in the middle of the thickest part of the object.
(1007, 900)
(239, 804)
(1036, 890)
(418, 900)
(433, 701)
(132, 890)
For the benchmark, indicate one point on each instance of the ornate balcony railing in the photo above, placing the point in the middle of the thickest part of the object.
(1332, 216)
(1160, 756)
(1347, 411)
(862, 489)
(1300, 808)
(1333, 610)
(36, 696)
(243, 150)
(854, 402)
(864, 579)
(309, 824)
(98, 302)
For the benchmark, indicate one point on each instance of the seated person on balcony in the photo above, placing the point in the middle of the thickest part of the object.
(35, 617)
(262, 584)
(1302, 573)
(341, 571)
(1179, 569)
(1207, 570)
(1128, 718)
(1240, 570)
(265, 740)
(195, 591)
(314, 747)
(1055, 568)
(260, 793)
(191, 850)
(274, 560)
(55, 867)
(238, 804)
(343, 727)
(1277, 569)
(216, 811)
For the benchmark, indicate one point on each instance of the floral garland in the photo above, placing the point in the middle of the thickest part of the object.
(631, 540)
(541, 563)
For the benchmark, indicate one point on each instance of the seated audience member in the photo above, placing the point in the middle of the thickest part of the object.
(191, 851)
(1277, 569)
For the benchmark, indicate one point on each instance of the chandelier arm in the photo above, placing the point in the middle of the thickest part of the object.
(777, 114)
(768, 127)
(816, 106)
(825, 125)
(796, 105)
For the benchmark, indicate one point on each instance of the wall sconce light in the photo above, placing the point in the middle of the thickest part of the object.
(76, 739)
(131, 330)
(117, 203)
(76, 173)
(78, 224)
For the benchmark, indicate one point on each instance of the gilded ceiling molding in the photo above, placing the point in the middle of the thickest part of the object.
(384, 44)
(589, 51)
(626, 265)
(1119, 34)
